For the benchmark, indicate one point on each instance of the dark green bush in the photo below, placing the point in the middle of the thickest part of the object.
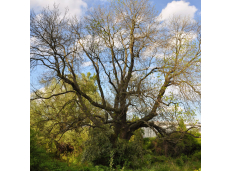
(149, 159)
(38, 155)
(98, 147)
(175, 145)
(99, 150)
(184, 158)
(197, 155)
(160, 159)
(179, 162)
(85, 169)
(187, 146)
(147, 144)
(163, 168)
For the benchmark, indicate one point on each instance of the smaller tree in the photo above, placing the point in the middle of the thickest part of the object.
(56, 113)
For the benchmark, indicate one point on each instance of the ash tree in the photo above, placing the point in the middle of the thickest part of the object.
(143, 65)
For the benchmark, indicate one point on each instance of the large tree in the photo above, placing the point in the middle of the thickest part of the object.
(143, 65)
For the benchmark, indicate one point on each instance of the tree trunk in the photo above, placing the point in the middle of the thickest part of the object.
(121, 131)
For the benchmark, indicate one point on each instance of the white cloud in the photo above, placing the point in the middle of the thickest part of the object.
(183, 36)
(75, 7)
(33, 40)
(85, 64)
(177, 8)
(172, 90)
(172, 109)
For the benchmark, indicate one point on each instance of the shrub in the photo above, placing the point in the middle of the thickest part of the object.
(198, 169)
(147, 143)
(184, 158)
(40, 160)
(162, 168)
(179, 162)
(160, 159)
(99, 150)
(196, 155)
(169, 146)
(37, 154)
(98, 147)
(148, 159)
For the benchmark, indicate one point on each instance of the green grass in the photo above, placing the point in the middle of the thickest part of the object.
(173, 166)
(154, 163)
(167, 165)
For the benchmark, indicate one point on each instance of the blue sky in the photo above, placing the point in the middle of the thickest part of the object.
(166, 8)
(78, 7)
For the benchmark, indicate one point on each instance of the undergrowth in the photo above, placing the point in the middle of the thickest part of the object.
(42, 160)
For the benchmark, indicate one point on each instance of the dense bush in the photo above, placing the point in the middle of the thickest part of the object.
(40, 160)
(99, 150)
(127, 156)
(179, 162)
(98, 147)
(160, 159)
(197, 155)
(175, 145)
(184, 158)
(37, 154)
(147, 143)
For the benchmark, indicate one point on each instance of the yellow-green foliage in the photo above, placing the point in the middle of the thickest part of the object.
(41, 160)
(198, 169)
(52, 116)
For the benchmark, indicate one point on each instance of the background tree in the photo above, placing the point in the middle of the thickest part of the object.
(56, 115)
(137, 59)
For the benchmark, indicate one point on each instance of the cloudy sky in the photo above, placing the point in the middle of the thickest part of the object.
(166, 8)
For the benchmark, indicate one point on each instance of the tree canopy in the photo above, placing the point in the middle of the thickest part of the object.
(143, 66)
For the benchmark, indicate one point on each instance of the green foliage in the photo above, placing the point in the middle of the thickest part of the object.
(196, 156)
(175, 144)
(100, 151)
(160, 159)
(184, 158)
(130, 153)
(186, 144)
(98, 147)
(53, 116)
(43, 161)
(40, 160)
(148, 145)
(198, 169)
(179, 162)
(182, 126)
(162, 168)
(37, 154)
